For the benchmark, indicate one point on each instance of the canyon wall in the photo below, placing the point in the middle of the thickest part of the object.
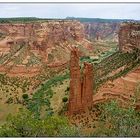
(44, 34)
(126, 86)
(101, 30)
(50, 42)
(129, 36)
(125, 67)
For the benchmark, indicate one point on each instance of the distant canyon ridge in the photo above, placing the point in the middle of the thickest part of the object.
(27, 45)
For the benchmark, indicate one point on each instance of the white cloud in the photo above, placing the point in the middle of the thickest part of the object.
(124, 11)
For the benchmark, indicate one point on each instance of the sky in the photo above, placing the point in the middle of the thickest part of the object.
(63, 10)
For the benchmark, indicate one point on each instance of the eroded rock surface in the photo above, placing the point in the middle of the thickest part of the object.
(81, 85)
(48, 42)
(102, 30)
(129, 36)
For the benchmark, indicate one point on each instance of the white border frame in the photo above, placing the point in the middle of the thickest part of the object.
(70, 1)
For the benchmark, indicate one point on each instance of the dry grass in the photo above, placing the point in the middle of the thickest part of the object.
(6, 109)
(59, 93)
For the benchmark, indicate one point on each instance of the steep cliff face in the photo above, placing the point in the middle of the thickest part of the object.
(75, 99)
(123, 84)
(48, 42)
(126, 86)
(129, 36)
(46, 33)
(81, 84)
(101, 31)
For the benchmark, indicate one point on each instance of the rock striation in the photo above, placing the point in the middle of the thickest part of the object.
(38, 43)
(45, 34)
(122, 88)
(81, 84)
(129, 36)
(102, 30)
(87, 84)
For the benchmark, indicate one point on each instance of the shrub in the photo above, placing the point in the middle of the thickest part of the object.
(117, 121)
(10, 100)
(24, 124)
(65, 99)
(25, 96)
(68, 88)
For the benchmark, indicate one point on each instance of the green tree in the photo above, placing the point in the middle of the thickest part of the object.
(24, 124)
(117, 121)
(25, 96)
(65, 99)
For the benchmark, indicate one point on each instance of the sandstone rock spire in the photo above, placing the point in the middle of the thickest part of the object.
(81, 84)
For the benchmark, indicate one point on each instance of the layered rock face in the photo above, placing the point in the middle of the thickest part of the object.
(124, 87)
(121, 89)
(87, 84)
(75, 99)
(81, 85)
(101, 31)
(129, 36)
(48, 42)
(43, 35)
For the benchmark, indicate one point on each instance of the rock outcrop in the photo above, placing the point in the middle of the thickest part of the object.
(44, 35)
(81, 85)
(102, 30)
(49, 42)
(129, 36)
(124, 87)
(75, 98)
(87, 84)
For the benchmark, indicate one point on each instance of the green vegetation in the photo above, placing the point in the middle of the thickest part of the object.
(33, 60)
(7, 57)
(50, 57)
(2, 35)
(68, 89)
(116, 121)
(65, 99)
(41, 98)
(20, 20)
(34, 19)
(102, 50)
(25, 124)
(88, 59)
(26, 20)
(97, 20)
(10, 100)
(137, 92)
(25, 96)
(113, 121)
(126, 61)
(11, 84)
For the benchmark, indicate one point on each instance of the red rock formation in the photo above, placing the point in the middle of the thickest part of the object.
(87, 88)
(101, 30)
(129, 36)
(46, 34)
(81, 89)
(75, 103)
(54, 38)
(21, 71)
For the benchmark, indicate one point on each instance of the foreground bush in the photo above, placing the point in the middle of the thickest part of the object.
(65, 99)
(116, 121)
(24, 124)
(25, 96)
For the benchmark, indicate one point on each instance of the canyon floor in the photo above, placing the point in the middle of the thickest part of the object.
(58, 84)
